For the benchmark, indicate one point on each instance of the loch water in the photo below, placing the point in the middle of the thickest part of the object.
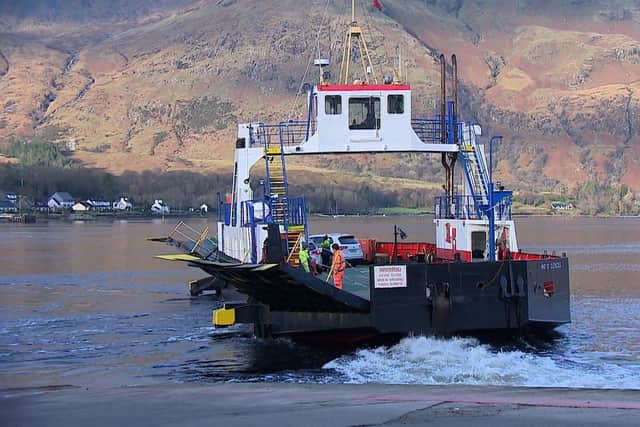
(86, 304)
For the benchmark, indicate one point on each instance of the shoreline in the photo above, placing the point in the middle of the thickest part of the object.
(254, 404)
(43, 218)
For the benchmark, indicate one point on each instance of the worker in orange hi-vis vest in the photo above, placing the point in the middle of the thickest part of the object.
(338, 265)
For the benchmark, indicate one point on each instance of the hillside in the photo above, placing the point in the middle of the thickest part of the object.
(160, 84)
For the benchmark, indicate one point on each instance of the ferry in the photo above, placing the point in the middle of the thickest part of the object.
(473, 279)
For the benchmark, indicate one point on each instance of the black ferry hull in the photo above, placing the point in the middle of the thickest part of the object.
(438, 299)
(458, 298)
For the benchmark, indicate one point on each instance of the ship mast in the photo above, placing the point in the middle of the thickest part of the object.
(355, 36)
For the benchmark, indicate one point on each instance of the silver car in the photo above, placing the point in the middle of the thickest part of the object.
(348, 243)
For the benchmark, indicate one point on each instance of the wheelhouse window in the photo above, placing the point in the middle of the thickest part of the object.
(395, 104)
(333, 104)
(364, 113)
(315, 105)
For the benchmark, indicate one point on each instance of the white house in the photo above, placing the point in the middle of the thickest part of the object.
(100, 205)
(81, 207)
(12, 197)
(160, 207)
(7, 207)
(561, 206)
(123, 204)
(60, 200)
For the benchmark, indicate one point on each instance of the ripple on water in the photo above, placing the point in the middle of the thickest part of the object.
(603, 267)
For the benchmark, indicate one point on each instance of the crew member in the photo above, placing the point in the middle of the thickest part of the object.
(502, 245)
(326, 251)
(265, 252)
(304, 257)
(338, 266)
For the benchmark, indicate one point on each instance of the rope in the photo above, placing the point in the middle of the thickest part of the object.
(367, 18)
(306, 71)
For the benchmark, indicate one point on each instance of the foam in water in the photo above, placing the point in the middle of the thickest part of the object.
(425, 360)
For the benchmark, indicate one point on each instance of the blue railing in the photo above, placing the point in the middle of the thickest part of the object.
(263, 211)
(297, 211)
(473, 207)
(292, 132)
(224, 211)
(220, 209)
(477, 188)
(227, 213)
(502, 204)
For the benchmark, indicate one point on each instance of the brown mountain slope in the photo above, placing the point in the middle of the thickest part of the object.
(164, 86)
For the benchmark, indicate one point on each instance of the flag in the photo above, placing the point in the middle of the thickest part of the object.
(377, 5)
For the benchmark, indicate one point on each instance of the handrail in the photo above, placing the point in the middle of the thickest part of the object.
(429, 130)
(203, 236)
(176, 230)
(473, 207)
(295, 132)
(295, 245)
(294, 208)
(289, 132)
(188, 234)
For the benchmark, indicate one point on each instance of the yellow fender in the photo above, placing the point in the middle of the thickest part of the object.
(224, 317)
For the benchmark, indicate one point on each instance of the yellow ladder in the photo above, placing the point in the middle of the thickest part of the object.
(294, 244)
(277, 183)
(276, 171)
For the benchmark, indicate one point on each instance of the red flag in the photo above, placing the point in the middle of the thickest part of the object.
(377, 5)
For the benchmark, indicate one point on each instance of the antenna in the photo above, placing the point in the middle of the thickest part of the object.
(397, 72)
(400, 63)
(320, 63)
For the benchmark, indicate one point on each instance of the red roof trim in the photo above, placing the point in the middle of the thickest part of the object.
(343, 88)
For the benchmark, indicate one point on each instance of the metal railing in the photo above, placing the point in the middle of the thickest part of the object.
(295, 132)
(430, 130)
(268, 210)
(290, 132)
(474, 165)
(191, 237)
(473, 207)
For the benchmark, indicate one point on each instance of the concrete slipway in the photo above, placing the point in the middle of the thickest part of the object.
(252, 404)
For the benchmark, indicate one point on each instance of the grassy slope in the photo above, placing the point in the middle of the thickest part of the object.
(562, 83)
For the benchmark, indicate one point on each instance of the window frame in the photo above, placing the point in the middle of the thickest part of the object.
(327, 99)
(389, 103)
(357, 101)
(351, 240)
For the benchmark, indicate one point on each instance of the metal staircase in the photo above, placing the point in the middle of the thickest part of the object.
(277, 184)
(295, 235)
(278, 193)
(475, 170)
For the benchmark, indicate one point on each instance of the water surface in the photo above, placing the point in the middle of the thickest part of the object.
(86, 304)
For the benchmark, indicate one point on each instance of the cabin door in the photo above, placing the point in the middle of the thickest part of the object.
(364, 118)
(478, 245)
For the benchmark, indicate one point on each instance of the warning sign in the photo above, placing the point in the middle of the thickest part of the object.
(390, 276)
